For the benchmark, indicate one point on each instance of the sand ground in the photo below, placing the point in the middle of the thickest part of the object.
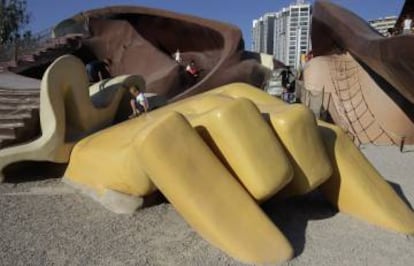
(47, 223)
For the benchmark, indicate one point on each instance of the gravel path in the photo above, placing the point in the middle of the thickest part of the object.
(47, 223)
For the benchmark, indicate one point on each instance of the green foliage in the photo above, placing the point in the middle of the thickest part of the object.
(13, 19)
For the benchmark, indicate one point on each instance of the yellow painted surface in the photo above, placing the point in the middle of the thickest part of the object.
(233, 127)
(108, 160)
(206, 195)
(197, 150)
(358, 189)
(242, 90)
(249, 147)
(296, 127)
(67, 112)
(241, 138)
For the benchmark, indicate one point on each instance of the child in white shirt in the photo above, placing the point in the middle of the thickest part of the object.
(140, 103)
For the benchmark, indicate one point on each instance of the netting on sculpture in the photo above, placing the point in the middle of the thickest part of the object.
(357, 118)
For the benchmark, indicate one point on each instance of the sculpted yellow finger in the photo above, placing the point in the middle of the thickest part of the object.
(67, 112)
(107, 160)
(207, 196)
(358, 189)
(242, 139)
(296, 127)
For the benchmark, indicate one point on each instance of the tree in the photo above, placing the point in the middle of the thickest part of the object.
(13, 19)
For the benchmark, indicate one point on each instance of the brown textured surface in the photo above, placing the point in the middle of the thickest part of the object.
(407, 10)
(378, 70)
(140, 40)
(355, 101)
(335, 29)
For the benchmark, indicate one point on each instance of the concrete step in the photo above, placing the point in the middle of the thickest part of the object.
(18, 112)
(10, 129)
(11, 120)
(5, 141)
(26, 114)
(19, 128)
(23, 106)
(8, 132)
(21, 116)
(16, 98)
(48, 52)
(11, 124)
(25, 92)
(20, 100)
(6, 137)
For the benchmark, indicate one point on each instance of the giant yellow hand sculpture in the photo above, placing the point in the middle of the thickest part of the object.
(69, 111)
(216, 155)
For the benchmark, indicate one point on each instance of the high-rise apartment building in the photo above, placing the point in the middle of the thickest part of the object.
(262, 33)
(257, 35)
(383, 24)
(291, 33)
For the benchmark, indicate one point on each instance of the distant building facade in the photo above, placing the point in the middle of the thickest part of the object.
(257, 33)
(383, 24)
(284, 34)
(262, 32)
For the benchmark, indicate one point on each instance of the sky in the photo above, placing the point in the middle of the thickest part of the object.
(46, 13)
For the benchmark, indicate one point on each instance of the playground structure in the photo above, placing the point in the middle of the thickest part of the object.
(216, 152)
(363, 79)
(249, 159)
(19, 109)
(406, 11)
(355, 101)
(68, 112)
(134, 41)
(142, 41)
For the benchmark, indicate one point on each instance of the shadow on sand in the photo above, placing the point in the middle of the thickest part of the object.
(291, 216)
(398, 190)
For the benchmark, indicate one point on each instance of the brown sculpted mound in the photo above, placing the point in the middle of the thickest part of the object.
(407, 10)
(335, 28)
(137, 40)
(142, 41)
(367, 78)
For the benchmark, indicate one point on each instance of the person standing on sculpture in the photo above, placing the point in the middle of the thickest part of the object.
(177, 56)
(285, 76)
(192, 73)
(192, 69)
(407, 24)
(98, 70)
